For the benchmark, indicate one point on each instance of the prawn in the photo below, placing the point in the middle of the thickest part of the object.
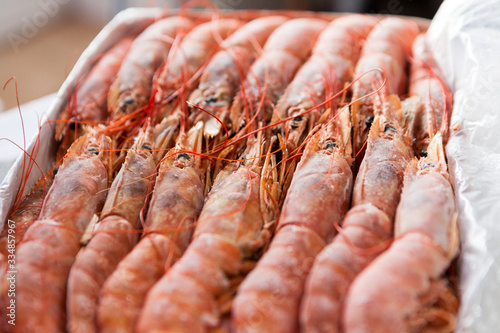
(88, 103)
(27, 212)
(131, 88)
(114, 234)
(426, 83)
(228, 232)
(49, 247)
(393, 293)
(228, 67)
(268, 300)
(330, 66)
(176, 202)
(283, 53)
(387, 49)
(180, 72)
(368, 223)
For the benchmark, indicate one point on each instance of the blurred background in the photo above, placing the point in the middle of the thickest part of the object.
(40, 40)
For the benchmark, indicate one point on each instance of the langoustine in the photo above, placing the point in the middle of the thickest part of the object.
(180, 72)
(284, 52)
(323, 75)
(268, 299)
(176, 202)
(131, 89)
(88, 103)
(367, 226)
(116, 232)
(397, 291)
(228, 232)
(25, 214)
(49, 247)
(425, 82)
(386, 50)
(222, 77)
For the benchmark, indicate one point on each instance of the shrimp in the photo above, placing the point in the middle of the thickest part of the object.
(27, 212)
(88, 103)
(131, 88)
(228, 232)
(115, 233)
(177, 200)
(387, 49)
(181, 71)
(368, 224)
(391, 294)
(283, 53)
(49, 247)
(426, 83)
(228, 67)
(330, 66)
(268, 300)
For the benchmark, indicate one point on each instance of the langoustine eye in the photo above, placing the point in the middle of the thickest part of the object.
(93, 150)
(183, 156)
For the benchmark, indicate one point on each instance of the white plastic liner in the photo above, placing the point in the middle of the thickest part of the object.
(465, 37)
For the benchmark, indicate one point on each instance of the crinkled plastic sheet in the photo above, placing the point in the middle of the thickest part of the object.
(465, 37)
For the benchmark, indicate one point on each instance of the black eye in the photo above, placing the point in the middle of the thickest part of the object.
(330, 145)
(389, 128)
(146, 147)
(369, 121)
(210, 100)
(72, 123)
(183, 156)
(423, 153)
(93, 150)
(128, 100)
(296, 121)
(55, 171)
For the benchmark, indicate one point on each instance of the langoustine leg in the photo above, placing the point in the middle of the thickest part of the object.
(45, 256)
(177, 200)
(368, 224)
(228, 232)
(268, 300)
(391, 293)
(116, 232)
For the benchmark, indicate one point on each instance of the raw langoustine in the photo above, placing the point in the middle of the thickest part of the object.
(268, 300)
(177, 200)
(222, 77)
(397, 291)
(114, 235)
(49, 247)
(368, 224)
(228, 232)
(385, 55)
(131, 89)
